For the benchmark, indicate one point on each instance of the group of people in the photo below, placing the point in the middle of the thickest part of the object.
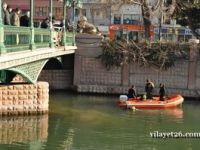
(149, 87)
(13, 17)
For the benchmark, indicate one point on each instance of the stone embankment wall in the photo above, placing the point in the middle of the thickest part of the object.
(22, 129)
(91, 76)
(57, 79)
(18, 99)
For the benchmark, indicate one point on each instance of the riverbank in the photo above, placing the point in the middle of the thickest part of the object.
(91, 76)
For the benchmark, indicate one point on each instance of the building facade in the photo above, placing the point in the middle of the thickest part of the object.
(41, 8)
(97, 12)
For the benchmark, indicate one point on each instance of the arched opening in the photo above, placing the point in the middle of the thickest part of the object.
(58, 72)
(8, 76)
(53, 64)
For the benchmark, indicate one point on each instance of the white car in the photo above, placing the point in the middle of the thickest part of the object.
(57, 27)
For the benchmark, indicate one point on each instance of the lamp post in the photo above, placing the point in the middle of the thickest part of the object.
(72, 4)
(51, 43)
(2, 46)
(32, 44)
(161, 20)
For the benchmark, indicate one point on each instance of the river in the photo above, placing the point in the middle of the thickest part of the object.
(95, 122)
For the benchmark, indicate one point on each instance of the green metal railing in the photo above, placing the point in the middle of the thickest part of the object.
(19, 38)
(42, 37)
(70, 39)
(16, 38)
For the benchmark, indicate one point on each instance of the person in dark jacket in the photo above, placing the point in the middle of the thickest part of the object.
(5, 15)
(149, 89)
(131, 92)
(24, 20)
(45, 23)
(162, 92)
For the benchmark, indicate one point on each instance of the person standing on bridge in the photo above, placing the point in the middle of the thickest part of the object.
(5, 14)
(24, 20)
(15, 19)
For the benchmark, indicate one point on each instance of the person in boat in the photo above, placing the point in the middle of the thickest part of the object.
(162, 92)
(149, 89)
(131, 92)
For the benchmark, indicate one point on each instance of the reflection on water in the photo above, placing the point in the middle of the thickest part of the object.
(68, 140)
(23, 129)
(83, 122)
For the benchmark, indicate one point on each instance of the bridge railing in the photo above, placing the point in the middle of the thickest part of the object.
(16, 38)
(19, 38)
(42, 37)
(70, 40)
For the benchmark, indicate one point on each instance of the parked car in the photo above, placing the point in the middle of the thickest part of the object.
(57, 27)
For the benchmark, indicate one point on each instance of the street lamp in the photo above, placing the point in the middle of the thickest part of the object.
(73, 4)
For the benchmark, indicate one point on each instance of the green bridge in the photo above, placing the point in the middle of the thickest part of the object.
(26, 50)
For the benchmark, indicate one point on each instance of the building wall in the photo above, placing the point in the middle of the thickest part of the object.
(97, 12)
(41, 8)
(90, 75)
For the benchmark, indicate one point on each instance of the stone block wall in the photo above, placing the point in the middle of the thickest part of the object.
(90, 75)
(198, 76)
(174, 78)
(57, 79)
(101, 76)
(18, 99)
(22, 129)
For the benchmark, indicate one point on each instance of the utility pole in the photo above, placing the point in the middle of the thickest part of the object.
(161, 20)
(32, 44)
(2, 46)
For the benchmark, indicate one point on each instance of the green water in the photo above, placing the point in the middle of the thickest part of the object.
(84, 122)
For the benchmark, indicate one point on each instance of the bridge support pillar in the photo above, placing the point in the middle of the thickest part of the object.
(24, 99)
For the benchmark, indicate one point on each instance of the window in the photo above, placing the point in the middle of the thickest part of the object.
(76, 12)
(117, 19)
(97, 13)
(127, 19)
(131, 19)
(84, 12)
(40, 11)
(57, 12)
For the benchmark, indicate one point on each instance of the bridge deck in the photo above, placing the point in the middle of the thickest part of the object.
(23, 57)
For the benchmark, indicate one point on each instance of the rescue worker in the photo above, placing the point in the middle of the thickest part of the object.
(131, 92)
(149, 89)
